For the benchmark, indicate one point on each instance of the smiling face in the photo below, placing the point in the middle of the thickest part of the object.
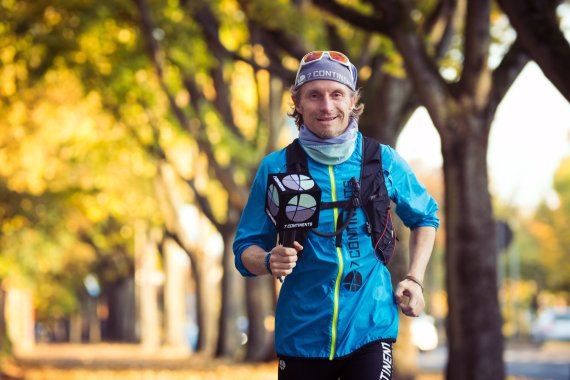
(326, 106)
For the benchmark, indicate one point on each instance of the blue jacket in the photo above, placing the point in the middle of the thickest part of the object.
(337, 299)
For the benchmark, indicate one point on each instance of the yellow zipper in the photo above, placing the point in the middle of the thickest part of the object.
(340, 269)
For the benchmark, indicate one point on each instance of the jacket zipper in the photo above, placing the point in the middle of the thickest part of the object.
(339, 274)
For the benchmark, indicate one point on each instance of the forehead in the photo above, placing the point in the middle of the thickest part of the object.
(324, 86)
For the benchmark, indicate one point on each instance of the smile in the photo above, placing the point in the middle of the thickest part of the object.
(327, 118)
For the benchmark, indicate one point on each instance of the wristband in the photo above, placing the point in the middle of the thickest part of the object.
(266, 262)
(415, 279)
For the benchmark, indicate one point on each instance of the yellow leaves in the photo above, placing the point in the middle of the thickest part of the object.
(182, 98)
(259, 55)
(125, 36)
(100, 45)
(8, 80)
(365, 72)
(233, 33)
(213, 130)
(205, 82)
(244, 99)
(14, 224)
(51, 16)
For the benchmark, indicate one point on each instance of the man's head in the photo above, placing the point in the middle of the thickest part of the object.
(324, 94)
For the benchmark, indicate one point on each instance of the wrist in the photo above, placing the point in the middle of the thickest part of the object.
(416, 280)
(267, 263)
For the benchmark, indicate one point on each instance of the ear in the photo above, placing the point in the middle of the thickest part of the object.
(352, 102)
(298, 107)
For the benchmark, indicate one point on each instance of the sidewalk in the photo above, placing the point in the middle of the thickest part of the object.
(131, 362)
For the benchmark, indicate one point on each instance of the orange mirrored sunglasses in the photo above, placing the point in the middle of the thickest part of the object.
(318, 55)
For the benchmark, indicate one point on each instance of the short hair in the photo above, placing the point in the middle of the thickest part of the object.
(296, 95)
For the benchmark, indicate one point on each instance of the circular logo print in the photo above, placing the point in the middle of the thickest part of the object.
(298, 182)
(273, 200)
(300, 207)
(352, 281)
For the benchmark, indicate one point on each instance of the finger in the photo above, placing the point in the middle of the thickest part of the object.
(282, 271)
(286, 251)
(297, 246)
(401, 293)
(283, 266)
(406, 310)
(399, 296)
(416, 305)
(283, 259)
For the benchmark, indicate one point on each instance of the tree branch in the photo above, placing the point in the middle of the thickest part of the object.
(505, 75)
(381, 24)
(537, 29)
(237, 194)
(476, 74)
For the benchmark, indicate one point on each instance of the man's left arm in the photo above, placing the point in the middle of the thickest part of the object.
(409, 292)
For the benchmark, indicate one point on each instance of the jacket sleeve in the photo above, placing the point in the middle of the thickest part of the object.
(255, 227)
(414, 205)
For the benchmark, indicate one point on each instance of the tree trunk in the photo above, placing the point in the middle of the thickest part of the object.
(147, 288)
(232, 301)
(120, 301)
(171, 203)
(474, 320)
(206, 313)
(176, 266)
(259, 302)
(5, 344)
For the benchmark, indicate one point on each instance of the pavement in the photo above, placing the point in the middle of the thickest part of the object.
(522, 361)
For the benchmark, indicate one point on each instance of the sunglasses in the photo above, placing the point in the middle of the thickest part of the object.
(315, 56)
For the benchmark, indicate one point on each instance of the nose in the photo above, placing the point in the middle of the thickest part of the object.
(327, 103)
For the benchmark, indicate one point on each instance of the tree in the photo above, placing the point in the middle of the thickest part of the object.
(462, 111)
(62, 190)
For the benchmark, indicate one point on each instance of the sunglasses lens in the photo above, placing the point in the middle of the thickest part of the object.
(312, 56)
(339, 57)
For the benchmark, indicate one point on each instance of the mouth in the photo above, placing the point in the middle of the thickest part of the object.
(327, 119)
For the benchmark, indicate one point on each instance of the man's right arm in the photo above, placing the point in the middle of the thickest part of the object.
(281, 261)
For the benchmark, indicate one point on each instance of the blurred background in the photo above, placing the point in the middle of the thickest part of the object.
(131, 132)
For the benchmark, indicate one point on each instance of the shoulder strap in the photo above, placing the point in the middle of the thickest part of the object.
(371, 168)
(296, 157)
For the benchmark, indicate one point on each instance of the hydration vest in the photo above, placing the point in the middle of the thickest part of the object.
(370, 194)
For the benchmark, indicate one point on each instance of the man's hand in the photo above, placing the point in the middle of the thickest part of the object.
(284, 259)
(410, 298)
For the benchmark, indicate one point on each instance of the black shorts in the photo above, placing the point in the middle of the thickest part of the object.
(371, 362)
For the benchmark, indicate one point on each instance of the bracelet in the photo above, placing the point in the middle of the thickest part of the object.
(415, 279)
(266, 262)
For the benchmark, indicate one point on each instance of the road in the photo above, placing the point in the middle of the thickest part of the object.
(548, 362)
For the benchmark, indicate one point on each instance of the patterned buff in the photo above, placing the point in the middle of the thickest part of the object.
(331, 151)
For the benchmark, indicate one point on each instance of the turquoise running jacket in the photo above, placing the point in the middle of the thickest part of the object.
(337, 299)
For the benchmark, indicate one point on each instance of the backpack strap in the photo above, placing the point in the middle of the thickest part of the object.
(376, 202)
(371, 166)
(296, 157)
(373, 198)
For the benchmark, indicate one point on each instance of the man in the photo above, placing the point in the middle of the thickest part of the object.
(337, 314)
